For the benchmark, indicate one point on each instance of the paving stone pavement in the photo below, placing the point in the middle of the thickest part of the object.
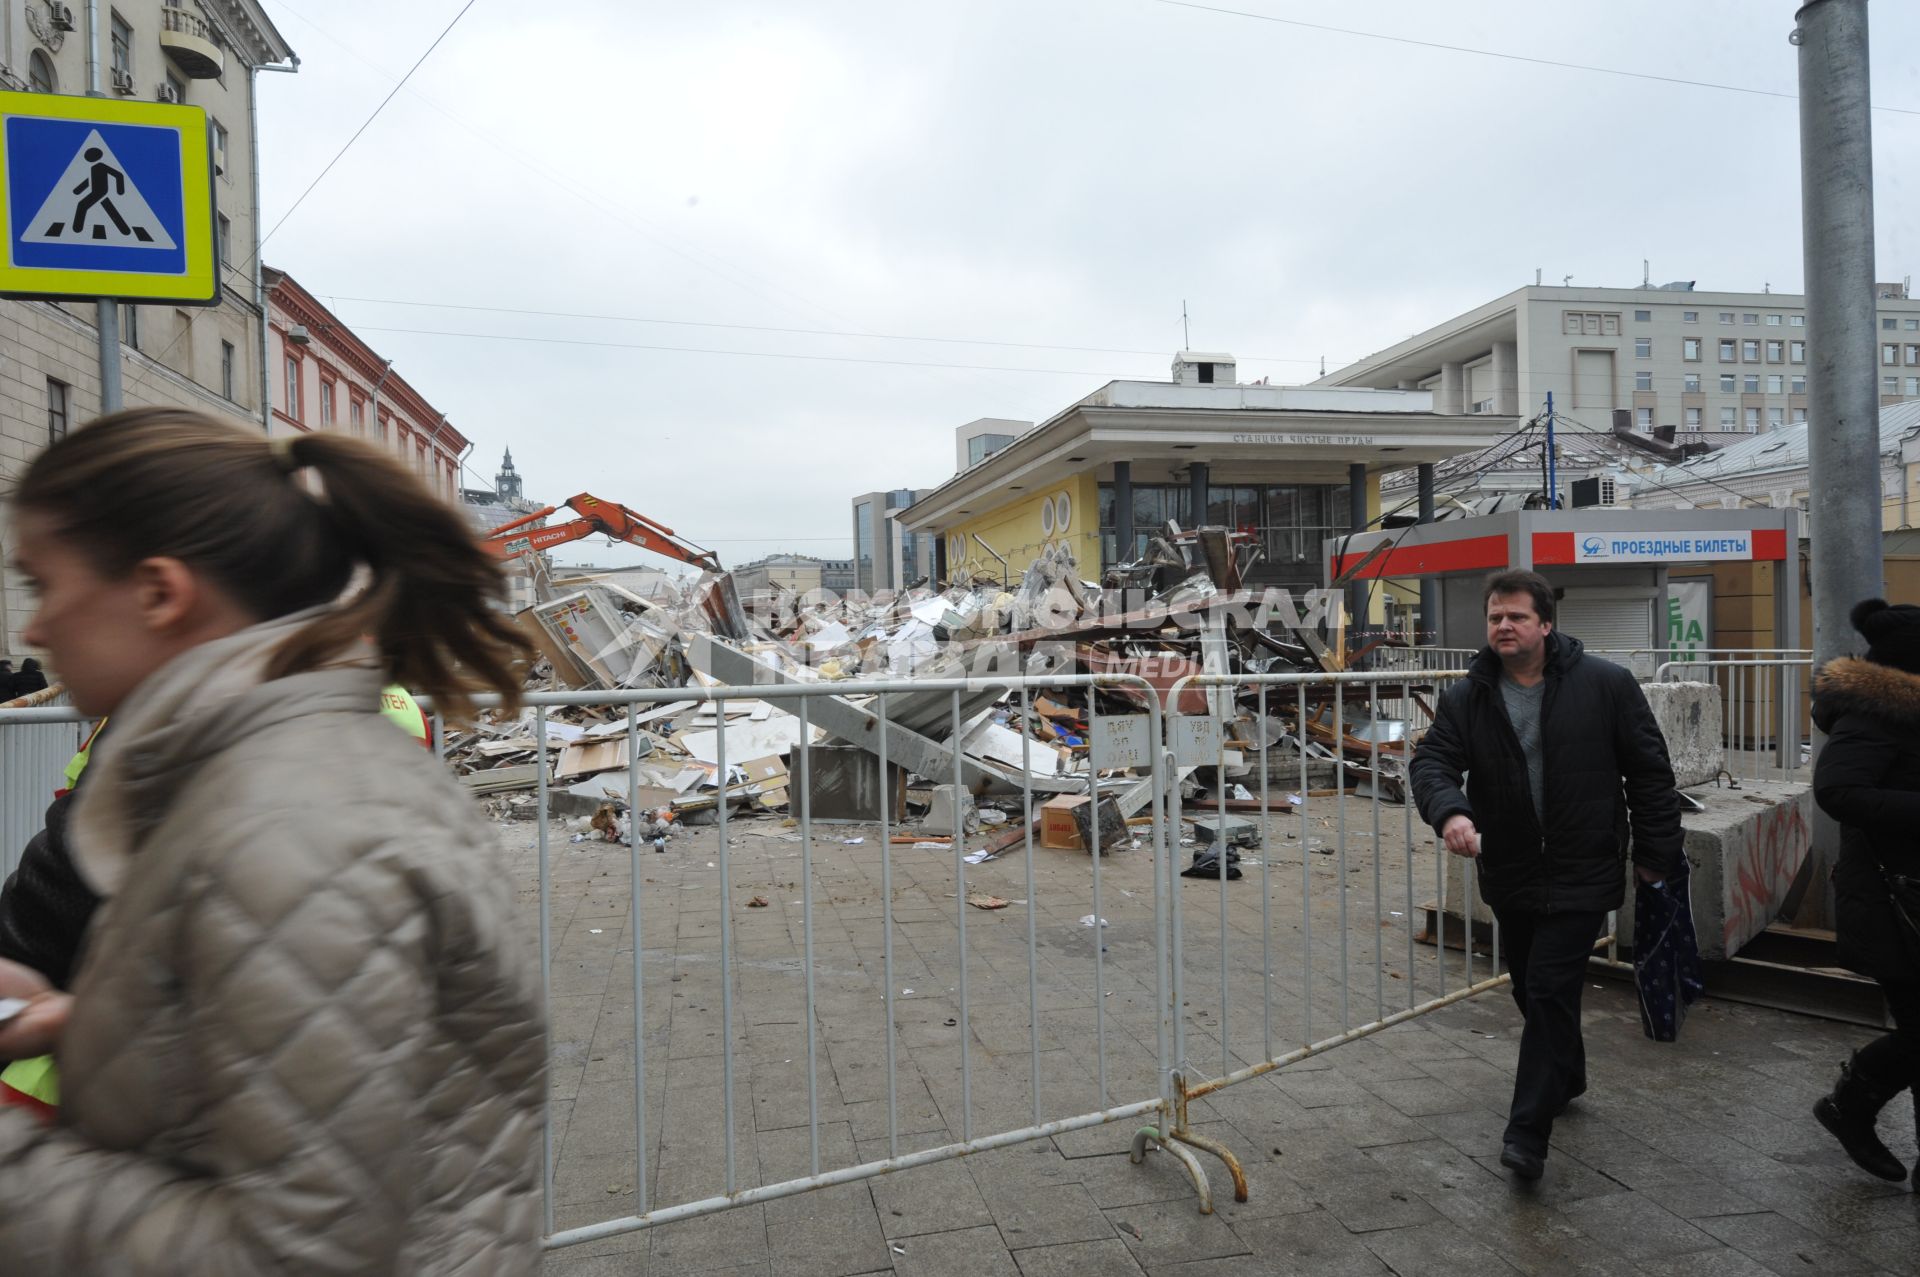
(1380, 1156)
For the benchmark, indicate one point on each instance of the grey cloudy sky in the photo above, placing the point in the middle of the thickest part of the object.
(1054, 172)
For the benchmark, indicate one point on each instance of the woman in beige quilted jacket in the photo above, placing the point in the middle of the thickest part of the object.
(303, 1038)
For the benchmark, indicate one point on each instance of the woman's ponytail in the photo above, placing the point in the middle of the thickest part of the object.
(432, 594)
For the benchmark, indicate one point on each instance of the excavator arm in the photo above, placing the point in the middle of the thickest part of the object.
(597, 517)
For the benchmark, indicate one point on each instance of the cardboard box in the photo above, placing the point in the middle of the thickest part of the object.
(1058, 829)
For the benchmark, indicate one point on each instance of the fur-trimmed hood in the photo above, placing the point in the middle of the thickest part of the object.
(1848, 684)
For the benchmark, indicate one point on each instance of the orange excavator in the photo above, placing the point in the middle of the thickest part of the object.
(596, 517)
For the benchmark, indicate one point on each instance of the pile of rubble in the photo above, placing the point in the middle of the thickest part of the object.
(1184, 609)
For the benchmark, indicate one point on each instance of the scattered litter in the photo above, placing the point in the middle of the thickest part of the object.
(981, 857)
(906, 993)
(758, 902)
(899, 1249)
(853, 842)
(979, 900)
(1088, 921)
(593, 931)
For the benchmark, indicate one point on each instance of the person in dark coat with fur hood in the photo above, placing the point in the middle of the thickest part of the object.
(1868, 778)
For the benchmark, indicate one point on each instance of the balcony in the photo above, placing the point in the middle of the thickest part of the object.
(188, 40)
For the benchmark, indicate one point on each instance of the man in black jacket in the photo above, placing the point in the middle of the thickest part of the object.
(1564, 760)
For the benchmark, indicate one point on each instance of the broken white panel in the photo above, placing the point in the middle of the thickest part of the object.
(1003, 745)
(746, 739)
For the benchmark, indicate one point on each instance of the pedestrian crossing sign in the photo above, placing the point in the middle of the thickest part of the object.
(106, 198)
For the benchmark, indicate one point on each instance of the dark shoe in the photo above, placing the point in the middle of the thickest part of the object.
(1849, 1113)
(1524, 1165)
(1575, 1092)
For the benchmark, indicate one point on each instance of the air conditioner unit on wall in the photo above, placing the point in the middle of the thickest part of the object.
(60, 16)
(169, 94)
(122, 81)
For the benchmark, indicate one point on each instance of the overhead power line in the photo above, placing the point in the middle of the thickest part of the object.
(1505, 57)
(809, 332)
(754, 354)
(392, 93)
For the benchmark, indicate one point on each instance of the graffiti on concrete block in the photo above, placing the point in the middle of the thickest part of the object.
(1759, 876)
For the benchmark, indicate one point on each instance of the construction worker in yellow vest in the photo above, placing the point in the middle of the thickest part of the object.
(35, 1084)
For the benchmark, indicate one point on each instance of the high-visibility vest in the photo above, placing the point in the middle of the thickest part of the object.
(406, 713)
(35, 1083)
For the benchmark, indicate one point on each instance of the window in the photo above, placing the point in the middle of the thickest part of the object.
(1797, 384)
(1726, 350)
(1748, 317)
(1776, 351)
(1889, 353)
(130, 326)
(1726, 317)
(224, 238)
(1643, 380)
(381, 427)
(219, 147)
(1689, 316)
(226, 369)
(326, 402)
(1750, 351)
(1643, 419)
(1643, 348)
(178, 87)
(1642, 316)
(1799, 415)
(1726, 418)
(1913, 356)
(1775, 383)
(293, 388)
(1588, 323)
(40, 73)
(1796, 321)
(1797, 352)
(1773, 321)
(1776, 417)
(1690, 348)
(1888, 323)
(122, 46)
(1889, 385)
(1913, 387)
(357, 415)
(1751, 383)
(1727, 385)
(1693, 418)
(1753, 421)
(1691, 383)
(58, 394)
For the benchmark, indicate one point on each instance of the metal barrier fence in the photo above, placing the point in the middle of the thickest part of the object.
(42, 736)
(1765, 710)
(1645, 662)
(1026, 1027)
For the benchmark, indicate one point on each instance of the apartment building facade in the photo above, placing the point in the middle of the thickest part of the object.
(1712, 367)
(205, 53)
(326, 378)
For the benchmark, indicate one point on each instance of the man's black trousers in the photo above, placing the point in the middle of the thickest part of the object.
(1547, 953)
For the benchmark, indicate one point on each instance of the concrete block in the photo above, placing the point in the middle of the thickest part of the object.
(952, 811)
(1689, 715)
(1746, 849)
